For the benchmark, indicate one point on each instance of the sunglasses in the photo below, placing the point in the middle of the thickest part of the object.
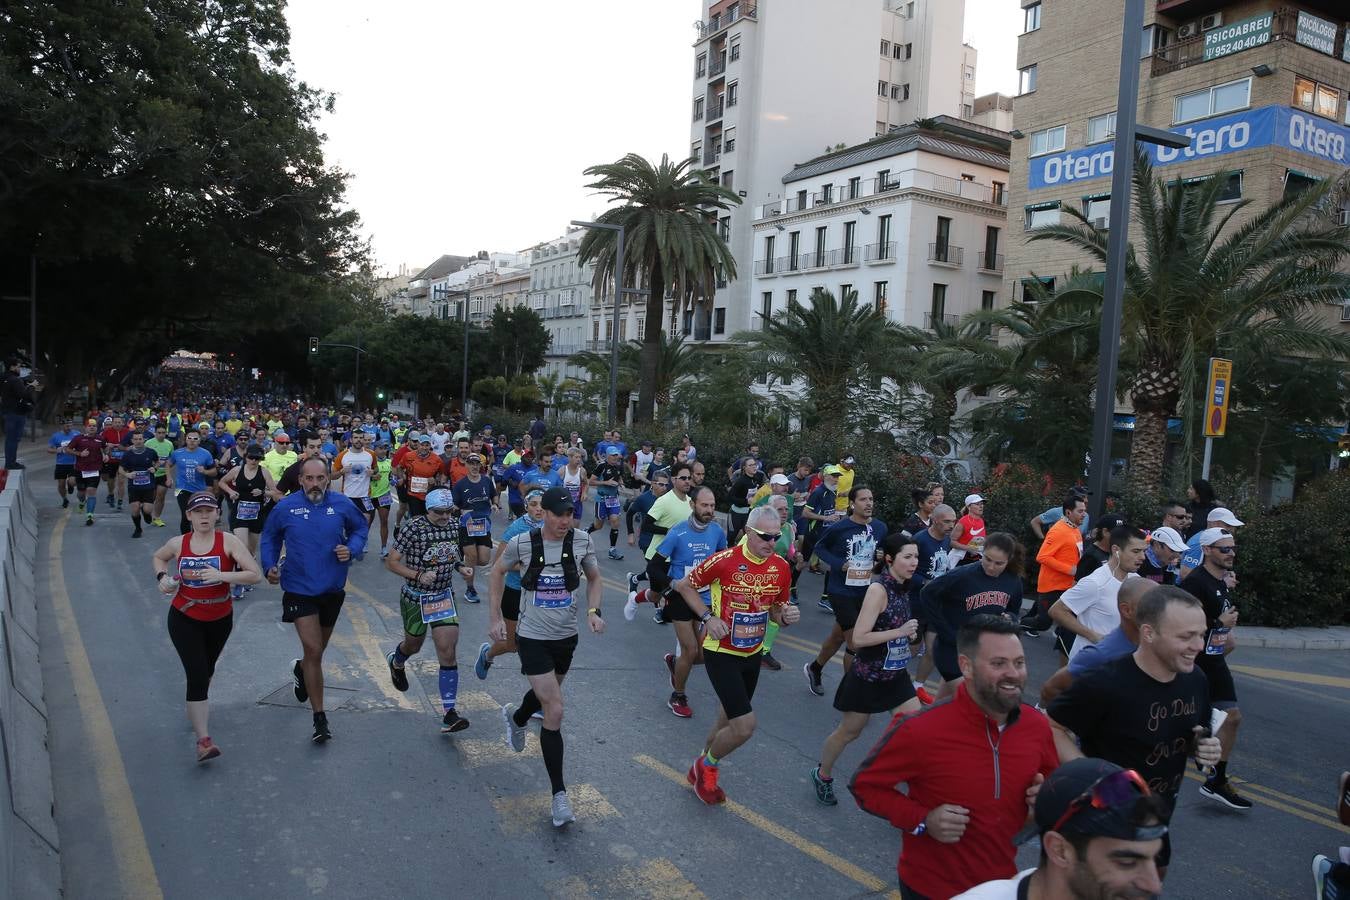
(1111, 792)
(771, 538)
(1225, 550)
(682, 477)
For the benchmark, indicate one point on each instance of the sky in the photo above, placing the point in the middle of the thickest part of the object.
(466, 126)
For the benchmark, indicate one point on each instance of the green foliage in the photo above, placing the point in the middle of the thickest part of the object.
(516, 342)
(404, 353)
(518, 394)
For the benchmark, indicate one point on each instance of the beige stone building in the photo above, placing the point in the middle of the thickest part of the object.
(1259, 85)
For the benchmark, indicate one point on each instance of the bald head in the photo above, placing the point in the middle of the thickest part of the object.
(1131, 592)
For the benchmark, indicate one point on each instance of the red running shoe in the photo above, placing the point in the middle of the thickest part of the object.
(704, 779)
(206, 750)
(924, 697)
(670, 664)
(679, 705)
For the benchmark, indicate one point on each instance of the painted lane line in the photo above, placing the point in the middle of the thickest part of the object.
(373, 659)
(1299, 677)
(1255, 792)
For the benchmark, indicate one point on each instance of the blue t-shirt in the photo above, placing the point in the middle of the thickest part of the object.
(685, 547)
(1194, 555)
(224, 440)
(519, 526)
(329, 450)
(1111, 647)
(533, 476)
(1055, 513)
(63, 437)
(474, 498)
(513, 475)
(185, 463)
(850, 551)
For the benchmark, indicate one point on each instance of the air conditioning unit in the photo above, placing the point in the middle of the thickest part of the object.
(1343, 217)
(1211, 21)
(1188, 30)
(1099, 222)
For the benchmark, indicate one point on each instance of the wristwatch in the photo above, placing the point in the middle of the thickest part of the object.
(595, 611)
(707, 614)
(920, 829)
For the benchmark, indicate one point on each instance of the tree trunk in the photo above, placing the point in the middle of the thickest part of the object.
(651, 348)
(1148, 449)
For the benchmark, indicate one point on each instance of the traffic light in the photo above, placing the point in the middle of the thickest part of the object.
(380, 395)
(1343, 446)
(313, 345)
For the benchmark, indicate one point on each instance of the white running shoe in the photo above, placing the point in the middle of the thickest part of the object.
(630, 607)
(562, 810)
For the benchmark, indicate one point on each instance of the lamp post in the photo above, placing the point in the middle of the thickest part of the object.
(614, 334)
(315, 344)
(1128, 131)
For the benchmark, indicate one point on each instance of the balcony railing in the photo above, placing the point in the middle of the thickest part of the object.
(929, 321)
(711, 156)
(1190, 51)
(765, 267)
(598, 346)
(714, 112)
(946, 255)
(564, 349)
(990, 262)
(910, 179)
(883, 252)
(824, 198)
(711, 26)
(702, 332)
(717, 67)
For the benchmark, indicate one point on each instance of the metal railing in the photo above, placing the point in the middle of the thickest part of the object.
(824, 198)
(598, 346)
(711, 26)
(711, 155)
(717, 67)
(882, 252)
(765, 267)
(986, 262)
(929, 319)
(910, 179)
(714, 112)
(946, 254)
(1190, 51)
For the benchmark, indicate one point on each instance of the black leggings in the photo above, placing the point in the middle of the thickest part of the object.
(183, 497)
(198, 644)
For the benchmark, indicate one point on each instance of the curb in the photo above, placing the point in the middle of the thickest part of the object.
(1335, 638)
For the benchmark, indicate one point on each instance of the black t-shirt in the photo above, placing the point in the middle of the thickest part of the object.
(743, 486)
(142, 460)
(1123, 715)
(1213, 596)
(965, 592)
(606, 471)
(1091, 560)
(914, 524)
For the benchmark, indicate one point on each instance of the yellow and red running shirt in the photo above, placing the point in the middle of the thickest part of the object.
(743, 589)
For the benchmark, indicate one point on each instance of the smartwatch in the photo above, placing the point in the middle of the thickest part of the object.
(595, 611)
(703, 619)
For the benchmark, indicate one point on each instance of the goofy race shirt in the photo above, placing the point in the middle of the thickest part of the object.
(743, 590)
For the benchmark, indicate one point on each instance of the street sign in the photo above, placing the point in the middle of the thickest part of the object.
(1216, 396)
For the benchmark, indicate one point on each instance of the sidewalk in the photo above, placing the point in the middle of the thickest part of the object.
(1334, 638)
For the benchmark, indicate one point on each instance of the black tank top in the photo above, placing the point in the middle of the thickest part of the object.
(246, 486)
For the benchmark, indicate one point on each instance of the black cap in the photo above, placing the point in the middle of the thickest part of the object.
(557, 500)
(1074, 779)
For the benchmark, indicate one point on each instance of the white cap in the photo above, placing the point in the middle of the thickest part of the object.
(780, 478)
(974, 498)
(1225, 515)
(1212, 536)
(1169, 537)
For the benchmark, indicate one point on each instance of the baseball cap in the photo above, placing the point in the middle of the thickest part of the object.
(831, 470)
(440, 499)
(973, 498)
(1212, 536)
(1168, 537)
(200, 499)
(1106, 796)
(414, 436)
(201, 425)
(281, 437)
(611, 450)
(780, 478)
(1110, 521)
(557, 500)
(253, 451)
(1225, 515)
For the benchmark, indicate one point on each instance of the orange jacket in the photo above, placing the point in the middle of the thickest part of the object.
(1058, 557)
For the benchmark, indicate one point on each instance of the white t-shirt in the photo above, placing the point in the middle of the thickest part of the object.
(1005, 889)
(356, 480)
(643, 461)
(1093, 601)
(438, 441)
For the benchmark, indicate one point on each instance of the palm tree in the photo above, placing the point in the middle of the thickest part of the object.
(671, 245)
(838, 346)
(1199, 284)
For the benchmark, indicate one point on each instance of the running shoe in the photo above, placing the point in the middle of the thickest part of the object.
(119, 504)
(679, 705)
(137, 533)
(397, 674)
(660, 617)
(767, 661)
(384, 553)
(453, 722)
(515, 734)
(1343, 804)
(484, 662)
(471, 596)
(562, 810)
(206, 749)
(89, 520)
(65, 503)
(110, 501)
(704, 779)
(924, 697)
(1225, 794)
(321, 733)
(670, 666)
(793, 599)
(236, 590)
(824, 606)
(615, 553)
(537, 715)
(824, 789)
(158, 523)
(813, 680)
(1030, 632)
(632, 582)
(298, 682)
(630, 605)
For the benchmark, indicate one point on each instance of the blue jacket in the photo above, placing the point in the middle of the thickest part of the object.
(310, 531)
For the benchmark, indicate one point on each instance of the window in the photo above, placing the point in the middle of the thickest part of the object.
(641, 327)
(881, 89)
(939, 308)
(1031, 18)
(821, 234)
(1221, 98)
(765, 309)
(801, 200)
(733, 12)
(727, 178)
(1232, 189)
(879, 296)
(904, 92)
(695, 149)
(1315, 98)
(1042, 214)
(734, 51)
(733, 93)
(909, 51)
(1296, 183)
(883, 180)
(688, 322)
(844, 290)
(883, 232)
(792, 298)
(898, 51)
(794, 249)
(1156, 37)
(729, 139)
(895, 92)
(720, 320)
(698, 108)
(623, 329)
(1101, 128)
(885, 48)
(850, 234)
(990, 247)
(724, 227)
(854, 187)
(1026, 80)
(595, 329)
(987, 300)
(701, 68)
(1047, 140)
(943, 238)
(827, 193)
(1098, 210)
(768, 251)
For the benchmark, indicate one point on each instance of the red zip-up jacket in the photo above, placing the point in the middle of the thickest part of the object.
(953, 753)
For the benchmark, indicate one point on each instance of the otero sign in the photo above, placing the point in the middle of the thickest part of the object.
(1238, 36)
(1269, 126)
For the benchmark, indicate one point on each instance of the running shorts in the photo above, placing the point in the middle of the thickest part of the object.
(325, 606)
(540, 657)
(733, 679)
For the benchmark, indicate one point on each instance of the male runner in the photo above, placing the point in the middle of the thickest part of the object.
(113, 435)
(163, 447)
(65, 461)
(88, 449)
(606, 479)
(189, 467)
(669, 509)
(421, 471)
(354, 466)
(476, 496)
(139, 463)
(490, 650)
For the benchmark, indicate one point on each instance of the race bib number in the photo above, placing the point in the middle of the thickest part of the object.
(115, 454)
(189, 565)
(575, 491)
(476, 527)
(747, 629)
(1218, 640)
(142, 479)
(897, 655)
(437, 606)
(247, 510)
(552, 592)
(418, 484)
(384, 500)
(613, 505)
(499, 472)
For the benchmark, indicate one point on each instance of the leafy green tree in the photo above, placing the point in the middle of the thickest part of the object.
(519, 393)
(669, 213)
(517, 341)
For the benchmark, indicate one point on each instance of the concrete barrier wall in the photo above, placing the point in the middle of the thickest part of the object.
(29, 849)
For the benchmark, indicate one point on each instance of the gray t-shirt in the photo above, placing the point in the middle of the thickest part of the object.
(550, 612)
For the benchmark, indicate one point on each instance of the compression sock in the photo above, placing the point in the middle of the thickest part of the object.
(551, 743)
(449, 686)
(1220, 772)
(771, 634)
(399, 656)
(529, 705)
(90, 504)
(136, 521)
(613, 538)
(709, 760)
(146, 516)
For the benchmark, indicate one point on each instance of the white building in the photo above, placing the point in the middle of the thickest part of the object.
(560, 292)
(915, 222)
(779, 81)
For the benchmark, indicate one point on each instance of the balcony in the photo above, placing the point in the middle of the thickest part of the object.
(769, 210)
(765, 267)
(909, 180)
(598, 346)
(711, 156)
(930, 321)
(880, 253)
(987, 262)
(719, 23)
(717, 67)
(946, 255)
(824, 198)
(714, 112)
(702, 332)
(1191, 51)
(564, 350)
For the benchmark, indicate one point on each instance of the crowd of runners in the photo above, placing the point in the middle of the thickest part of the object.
(931, 614)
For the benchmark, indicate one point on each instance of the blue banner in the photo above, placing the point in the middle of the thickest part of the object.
(1268, 126)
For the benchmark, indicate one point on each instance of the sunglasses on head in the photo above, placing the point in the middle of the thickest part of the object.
(772, 538)
(1111, 792)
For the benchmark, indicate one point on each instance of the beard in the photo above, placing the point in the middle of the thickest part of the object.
(315, 494)
(991, 697)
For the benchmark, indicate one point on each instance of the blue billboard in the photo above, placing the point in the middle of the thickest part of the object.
(1268, 126)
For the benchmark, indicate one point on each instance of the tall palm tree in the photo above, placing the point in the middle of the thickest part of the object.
(1202, 280)
(671, 245)
(837, 345)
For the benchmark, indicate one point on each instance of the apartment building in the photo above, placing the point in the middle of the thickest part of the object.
(1261, 87)
(560, 292)
(914, 221)
(779, 81)
(993, 111)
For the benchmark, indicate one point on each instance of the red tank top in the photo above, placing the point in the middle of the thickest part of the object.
(203, 600)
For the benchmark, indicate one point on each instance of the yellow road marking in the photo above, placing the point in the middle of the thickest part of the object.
(1288, 798)
(137, 869)
(526, 813)
(477, 701)
(1300, 677)
(657, 879)
(1256, 793)
(799, 644)
(477, 752)
(373, 659)
(786, 835)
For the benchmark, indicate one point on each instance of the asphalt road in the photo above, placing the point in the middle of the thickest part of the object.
(392, 808)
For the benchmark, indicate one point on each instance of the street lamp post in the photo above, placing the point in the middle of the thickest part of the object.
(315, 344)
(614, 334)
(464, 374)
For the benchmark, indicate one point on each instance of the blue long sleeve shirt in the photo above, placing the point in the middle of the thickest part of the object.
(309, 532)
(850, 551)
